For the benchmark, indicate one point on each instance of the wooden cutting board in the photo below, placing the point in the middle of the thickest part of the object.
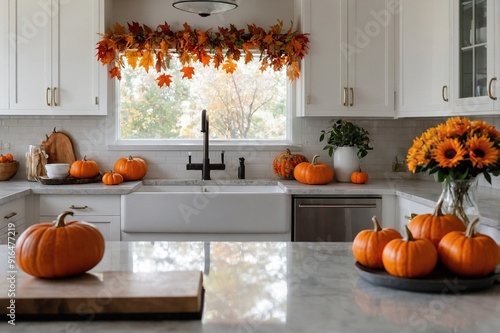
(107, 295)
(59, 147)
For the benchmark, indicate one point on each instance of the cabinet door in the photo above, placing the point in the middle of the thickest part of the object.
(4, 55)
(30, 54)
(424, 53)
(75, 67)
(371, 58)
(324, 69)
(475, 31)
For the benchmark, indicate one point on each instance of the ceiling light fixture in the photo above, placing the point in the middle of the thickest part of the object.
(205, 8)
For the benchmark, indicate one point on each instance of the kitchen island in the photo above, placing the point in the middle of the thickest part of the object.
(282, 287)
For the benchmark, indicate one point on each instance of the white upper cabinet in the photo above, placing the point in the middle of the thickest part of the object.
(476, 37)
(349, 70)
(54, 69)
(424, 43)
(4, 55)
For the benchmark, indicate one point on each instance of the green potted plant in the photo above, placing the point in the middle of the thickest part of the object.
(348, 143)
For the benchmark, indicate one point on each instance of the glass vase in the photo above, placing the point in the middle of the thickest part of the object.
(460, 198)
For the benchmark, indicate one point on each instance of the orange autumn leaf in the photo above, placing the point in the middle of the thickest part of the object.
(132, 57)
(188, 72)
(164, 80)
(204, 58)
(202, 37)
(146, 61)
(185, 58)
(115, 72)
(119, 29)
(248, 57)
(229, 66)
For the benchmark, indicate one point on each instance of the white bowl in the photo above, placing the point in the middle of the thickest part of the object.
(57, 170)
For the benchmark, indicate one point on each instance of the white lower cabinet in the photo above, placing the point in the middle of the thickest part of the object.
(405, 209)
(12, 215)
(103, 211)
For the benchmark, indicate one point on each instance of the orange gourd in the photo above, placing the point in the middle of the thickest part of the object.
(284, 164)
(409, 257)
(58, 249)
(112, 178)
(469, 253)
(434, 226)
(368, 245)
(359, 177)
(313, 173)
(131, 168)
(84, 168)
(3, 159)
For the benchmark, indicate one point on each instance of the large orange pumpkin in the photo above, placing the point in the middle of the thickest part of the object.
(284, 164)
(469, 253)
(131, 168)
(313, 173)
(84, 168)
(409, 257)
(434, 226)
(368, 244)
(58, 249)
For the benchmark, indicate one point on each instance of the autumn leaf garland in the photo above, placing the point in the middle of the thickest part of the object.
(144, 47)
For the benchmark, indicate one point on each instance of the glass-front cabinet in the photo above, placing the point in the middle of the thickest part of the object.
(476, 86)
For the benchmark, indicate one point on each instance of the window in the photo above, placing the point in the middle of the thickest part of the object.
(248, 105)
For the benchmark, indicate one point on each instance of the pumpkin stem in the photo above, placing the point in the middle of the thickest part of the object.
(438, 210)
(130, 158)
(59, 222)
(409, 237)
(469, 232)
(376, 225)
(314, 160)
(288, 152)
(84, 158)
(54, 131)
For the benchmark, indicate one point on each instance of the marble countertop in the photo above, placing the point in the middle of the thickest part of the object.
(425, 192)
(282, 287)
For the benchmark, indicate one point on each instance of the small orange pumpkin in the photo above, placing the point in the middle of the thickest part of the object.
(313, 173)
(409, 257)
(284, 164)
(131, 168)
(58, 249)
(84, 168)
(359, 177)
(469, 253)
(368, 245)
(112, 178)
(434, 226)
(3, 159)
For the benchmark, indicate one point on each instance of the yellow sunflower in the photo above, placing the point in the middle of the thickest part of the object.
(448, 153)
(457, 126)
(481, 152)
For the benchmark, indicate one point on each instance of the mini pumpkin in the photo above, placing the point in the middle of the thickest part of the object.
(3, 159)
(84, 168)
(131, 168)
(469, 253)
(368, 244)
(409, 257)
(313, 173)
(284, 164)
(434, 226)
(58, 249)
(112, 178)
(359, 177)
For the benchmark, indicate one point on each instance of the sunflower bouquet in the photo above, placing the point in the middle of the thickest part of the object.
(458, 149)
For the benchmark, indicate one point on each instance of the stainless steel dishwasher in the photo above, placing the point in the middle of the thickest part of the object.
(333, 219)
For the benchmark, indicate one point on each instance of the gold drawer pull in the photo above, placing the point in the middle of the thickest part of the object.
(78, 207)
(9, 216)
(490, 95)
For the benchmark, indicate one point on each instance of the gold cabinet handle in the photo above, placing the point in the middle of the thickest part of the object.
(445, 98)
(47, 98)
(55, 96)
(352, 96)
(78, 207)
(9, 216)
(345, 96)
(490, 95)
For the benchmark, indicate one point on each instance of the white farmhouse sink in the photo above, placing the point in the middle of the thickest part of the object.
(206, 209)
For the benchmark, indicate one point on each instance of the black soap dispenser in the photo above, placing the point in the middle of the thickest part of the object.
(241, 168)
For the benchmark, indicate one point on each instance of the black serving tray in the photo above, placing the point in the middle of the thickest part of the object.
(440, 280)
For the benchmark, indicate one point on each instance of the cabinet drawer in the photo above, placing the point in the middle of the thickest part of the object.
(11, 211)
(80, 205)
(12, 231)
(109, 226)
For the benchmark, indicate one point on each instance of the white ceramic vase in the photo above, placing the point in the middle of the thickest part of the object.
(345, 162)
